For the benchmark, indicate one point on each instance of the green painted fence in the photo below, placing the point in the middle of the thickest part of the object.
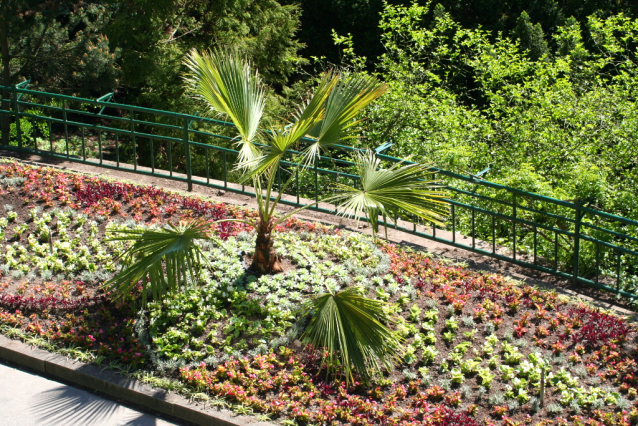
(565, 238)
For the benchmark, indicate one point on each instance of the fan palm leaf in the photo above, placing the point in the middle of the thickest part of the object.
(280, 141)
(227, 83)
(350, 95)
(354, 331)
(169, 258)
(308, 118)
(385, 192)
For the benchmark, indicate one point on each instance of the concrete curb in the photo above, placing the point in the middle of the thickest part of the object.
(112, 384)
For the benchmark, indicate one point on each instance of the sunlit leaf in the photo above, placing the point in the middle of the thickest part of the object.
(355, 332)
(168, 259)
(350, 95)
(386, 192)
(228, 84)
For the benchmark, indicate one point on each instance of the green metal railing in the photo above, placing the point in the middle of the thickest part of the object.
(564, 238)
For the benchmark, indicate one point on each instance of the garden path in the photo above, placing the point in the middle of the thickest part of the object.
(27, 399)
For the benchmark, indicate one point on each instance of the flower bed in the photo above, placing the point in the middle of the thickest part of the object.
(476, 344)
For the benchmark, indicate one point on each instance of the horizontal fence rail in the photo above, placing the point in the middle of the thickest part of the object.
(567, 239)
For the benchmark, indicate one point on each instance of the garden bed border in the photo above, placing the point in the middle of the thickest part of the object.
(92, 377)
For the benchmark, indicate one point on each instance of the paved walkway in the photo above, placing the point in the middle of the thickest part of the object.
(27, 399)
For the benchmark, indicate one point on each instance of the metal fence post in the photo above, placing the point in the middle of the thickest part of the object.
(4, 119)
(514, 226)
(187, 147)
(577, 205)
(16, 112)
(132, 121)
(66, 132)
(316, 181)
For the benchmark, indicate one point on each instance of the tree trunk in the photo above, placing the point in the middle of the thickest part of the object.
(265, 260)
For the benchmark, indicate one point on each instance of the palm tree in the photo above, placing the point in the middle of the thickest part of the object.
(228, 85)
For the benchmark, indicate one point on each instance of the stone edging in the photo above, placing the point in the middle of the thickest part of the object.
(112, 384)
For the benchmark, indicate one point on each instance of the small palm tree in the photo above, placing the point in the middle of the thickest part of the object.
(229, 86)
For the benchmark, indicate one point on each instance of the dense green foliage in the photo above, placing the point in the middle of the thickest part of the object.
(155, 36)
(563, 125)
(136, 48)
(361, 19)
(60, 45)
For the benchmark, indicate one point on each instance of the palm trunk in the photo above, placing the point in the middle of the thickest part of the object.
(265, 260)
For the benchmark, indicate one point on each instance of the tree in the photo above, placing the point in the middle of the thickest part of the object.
(135, 48)
(229, 86)
(353, 328)
(154, 36)
(359, 19)
(59, 45)
(531, 36)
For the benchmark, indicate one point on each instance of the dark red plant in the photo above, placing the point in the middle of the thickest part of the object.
(445, 416)
(93, 191)
(22, 303)
(598, 328)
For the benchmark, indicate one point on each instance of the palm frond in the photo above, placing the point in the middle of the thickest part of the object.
(349, 96)
(168, 258)
(354, 331)
(226, 82)
(317, 102)
(279, 141)
(385, 192)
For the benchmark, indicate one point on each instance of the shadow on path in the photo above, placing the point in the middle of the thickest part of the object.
(68, 406)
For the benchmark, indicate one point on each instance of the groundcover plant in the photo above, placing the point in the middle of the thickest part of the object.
(476, 344)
